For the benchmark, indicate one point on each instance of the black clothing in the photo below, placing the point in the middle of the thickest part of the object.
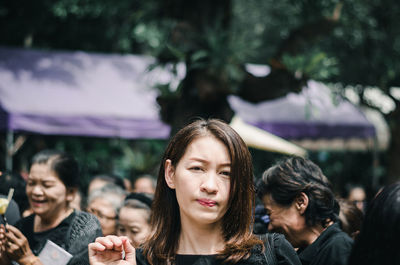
(284, 251)
(332, 247)
(73, 234)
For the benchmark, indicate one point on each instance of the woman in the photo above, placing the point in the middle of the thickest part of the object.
(203, 205)
(134, 218)
(51, 186)
(301, 205)
(105, 203)
(378, 241)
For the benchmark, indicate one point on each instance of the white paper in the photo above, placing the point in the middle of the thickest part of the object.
(52, 254)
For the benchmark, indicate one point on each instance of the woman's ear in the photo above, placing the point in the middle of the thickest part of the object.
(71, 193)
(301, 202)
(169, 174)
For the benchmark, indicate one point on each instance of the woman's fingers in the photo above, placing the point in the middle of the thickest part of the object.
(130, 252)
(18, 234)
(96, 247)
(110, 242)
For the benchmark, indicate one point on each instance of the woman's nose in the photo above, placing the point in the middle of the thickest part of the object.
(209, 183)
(37, 190)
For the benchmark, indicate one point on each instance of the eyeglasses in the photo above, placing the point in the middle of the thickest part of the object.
(101, 215)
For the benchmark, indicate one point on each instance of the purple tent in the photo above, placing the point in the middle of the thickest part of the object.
(312, 114)
(79, 93)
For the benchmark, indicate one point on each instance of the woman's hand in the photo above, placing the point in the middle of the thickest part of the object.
(112, 250)
(3, 255)
(17, 246)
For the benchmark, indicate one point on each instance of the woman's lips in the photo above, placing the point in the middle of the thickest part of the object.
(37, 202)
(208, 203)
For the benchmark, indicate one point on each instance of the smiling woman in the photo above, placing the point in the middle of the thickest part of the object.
(51, 186)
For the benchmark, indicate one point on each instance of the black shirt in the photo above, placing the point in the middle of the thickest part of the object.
(37, 240)
(332, 247)
(284, 252)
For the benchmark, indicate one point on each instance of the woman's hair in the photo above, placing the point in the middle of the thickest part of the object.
(288, 178)
(114, 194)
(237, 221)
(377, 242)
(64, 165)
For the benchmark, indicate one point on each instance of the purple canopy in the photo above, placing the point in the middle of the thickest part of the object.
(313, 113)
(79, 93)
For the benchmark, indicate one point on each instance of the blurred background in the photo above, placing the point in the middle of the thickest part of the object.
(109, 81)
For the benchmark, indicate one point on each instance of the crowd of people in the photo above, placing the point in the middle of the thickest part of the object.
(201, 209)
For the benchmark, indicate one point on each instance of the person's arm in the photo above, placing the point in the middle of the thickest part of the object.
(112, 250)
(17, 247)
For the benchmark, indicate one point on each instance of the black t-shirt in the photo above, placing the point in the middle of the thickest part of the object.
(284, 253)
(332, 247)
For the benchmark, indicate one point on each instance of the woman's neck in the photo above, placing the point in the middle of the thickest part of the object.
(311, 234)
(43, 223)
(200, 239)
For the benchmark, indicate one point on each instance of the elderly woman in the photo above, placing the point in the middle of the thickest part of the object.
(105, 203)
(302, 206)
(51, 186)
(134, 218)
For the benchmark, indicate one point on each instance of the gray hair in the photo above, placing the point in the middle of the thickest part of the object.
(114, 194)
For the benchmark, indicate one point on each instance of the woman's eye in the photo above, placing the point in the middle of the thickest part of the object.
(47, 185)
(226, 173)
(196, 168)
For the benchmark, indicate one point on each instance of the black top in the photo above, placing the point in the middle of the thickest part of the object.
(332, 247)
(73, 234)
(284, 252)
(38, 240)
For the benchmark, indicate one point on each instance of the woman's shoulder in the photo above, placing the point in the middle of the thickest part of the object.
(84, 225)
(281, 248)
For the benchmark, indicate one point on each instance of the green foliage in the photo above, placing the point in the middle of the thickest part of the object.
(312, 64)
(363, 49)
(124, 158)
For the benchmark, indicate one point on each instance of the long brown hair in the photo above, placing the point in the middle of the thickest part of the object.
(237, 221)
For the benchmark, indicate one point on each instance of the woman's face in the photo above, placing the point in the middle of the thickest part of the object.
(285, 219)
(201, 180)
(47, 194)
(104, 211)
(133, 223)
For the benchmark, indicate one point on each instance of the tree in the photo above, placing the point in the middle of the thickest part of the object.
(349, 42)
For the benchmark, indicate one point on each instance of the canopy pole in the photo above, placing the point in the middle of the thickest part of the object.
(9, 150)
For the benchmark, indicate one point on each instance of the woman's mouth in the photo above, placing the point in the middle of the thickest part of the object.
(36, 203)
(207, 203)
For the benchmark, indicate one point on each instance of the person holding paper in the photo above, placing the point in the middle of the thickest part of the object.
(55, 232)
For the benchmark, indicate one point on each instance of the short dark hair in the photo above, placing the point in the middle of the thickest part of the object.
(288, 178)
(63, 164)
(377, 242)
